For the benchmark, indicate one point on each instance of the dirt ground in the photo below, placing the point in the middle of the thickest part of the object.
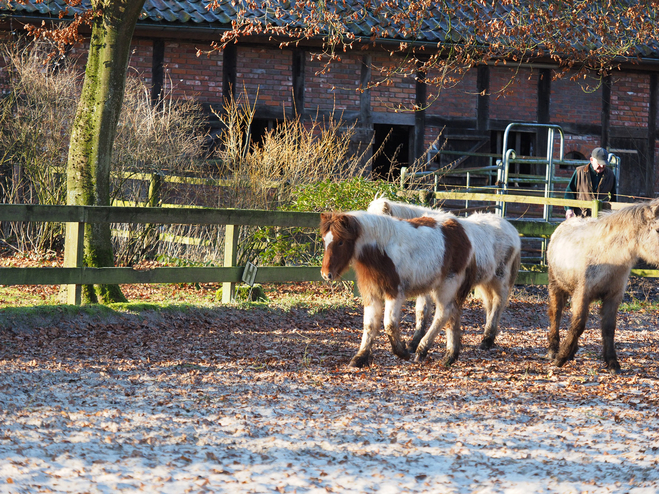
(260, 399)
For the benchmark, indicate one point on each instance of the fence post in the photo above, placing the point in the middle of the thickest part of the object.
(74, 246)
(155, 184)
(596, 207)
(230, 255)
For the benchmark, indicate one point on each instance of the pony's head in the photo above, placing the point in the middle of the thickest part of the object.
(340, 232)
(649, 244)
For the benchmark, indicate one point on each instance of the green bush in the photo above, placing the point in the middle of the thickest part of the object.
(293, 246)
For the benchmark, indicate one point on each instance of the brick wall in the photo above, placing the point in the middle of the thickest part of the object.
(630, 100)
(336, 89)
(578, 102)
(513, 100)
(141, 60)
(397, 92)
(191, 77)
(456, 101)
(267, 72)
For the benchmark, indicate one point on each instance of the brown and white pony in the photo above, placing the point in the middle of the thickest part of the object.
(497, 253)
(396, 259)
(590, 259)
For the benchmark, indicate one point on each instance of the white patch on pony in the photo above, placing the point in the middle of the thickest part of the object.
(329, 238)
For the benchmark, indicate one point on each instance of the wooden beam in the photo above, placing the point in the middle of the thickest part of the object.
(157, 78)
(483, 102)
(229, 70)
(606, 112)
(419, 144)
(298, 62)
(365, 114)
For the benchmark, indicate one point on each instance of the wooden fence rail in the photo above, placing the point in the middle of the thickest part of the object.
(74, 274)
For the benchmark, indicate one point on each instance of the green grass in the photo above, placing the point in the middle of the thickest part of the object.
(639, 305)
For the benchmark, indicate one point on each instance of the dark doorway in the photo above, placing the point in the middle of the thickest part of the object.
(259, 128)
(392, 143)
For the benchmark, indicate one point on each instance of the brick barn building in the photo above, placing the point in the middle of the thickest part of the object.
(619, 112)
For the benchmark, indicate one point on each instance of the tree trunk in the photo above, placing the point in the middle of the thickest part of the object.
(94, 129)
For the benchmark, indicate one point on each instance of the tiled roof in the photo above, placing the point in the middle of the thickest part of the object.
(442, 27)
(175, 13)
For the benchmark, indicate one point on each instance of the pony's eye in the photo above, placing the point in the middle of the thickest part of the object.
(340, 243)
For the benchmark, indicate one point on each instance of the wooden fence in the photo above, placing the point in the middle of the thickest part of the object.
(74, 274)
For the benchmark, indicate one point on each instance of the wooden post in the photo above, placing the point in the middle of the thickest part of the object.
(230, 255)
(595, 210)
(74, 246)
(155, 184)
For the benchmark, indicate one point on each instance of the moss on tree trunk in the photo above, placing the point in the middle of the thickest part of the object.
(94, 129)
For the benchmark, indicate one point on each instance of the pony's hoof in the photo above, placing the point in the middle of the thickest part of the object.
(419, 357)
(486, 344)
(551, 354)
(404, 354)
(359, 361)
(613, 367)
(411, 347)
(449, 360)
(560, 361)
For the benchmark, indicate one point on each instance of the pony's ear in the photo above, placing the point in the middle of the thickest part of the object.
(654, 209)
(386, 208)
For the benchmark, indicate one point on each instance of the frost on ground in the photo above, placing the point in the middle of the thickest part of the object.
(260, 400)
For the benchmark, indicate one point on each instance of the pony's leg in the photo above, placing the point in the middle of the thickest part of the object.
(442, 313)
(579, 317)
(392, 310)
(557, 300)
(453, 335)
(423, 319)
(493, 303)
(446, 309)
(372, 321)
(608, 313)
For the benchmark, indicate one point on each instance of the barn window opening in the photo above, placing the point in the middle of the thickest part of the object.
(392, 145)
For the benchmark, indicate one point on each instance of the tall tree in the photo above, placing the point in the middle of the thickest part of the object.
(95, 125)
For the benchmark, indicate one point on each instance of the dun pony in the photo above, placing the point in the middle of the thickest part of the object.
(395, 259)
(590, 259)
(497, 253)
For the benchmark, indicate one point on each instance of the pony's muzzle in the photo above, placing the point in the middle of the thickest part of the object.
(326, 276)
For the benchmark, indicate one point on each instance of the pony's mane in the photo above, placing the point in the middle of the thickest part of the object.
(376, 226)
(382, 205)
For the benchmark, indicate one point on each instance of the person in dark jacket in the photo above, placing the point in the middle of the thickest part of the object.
(592, 181)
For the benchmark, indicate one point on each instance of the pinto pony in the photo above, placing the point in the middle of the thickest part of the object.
(590, 259)
(497, 254)
(395, 259)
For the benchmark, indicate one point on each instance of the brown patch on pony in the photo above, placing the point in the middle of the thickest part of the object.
(423, 221)
(501, 268)
(457, 248)
(376, 273)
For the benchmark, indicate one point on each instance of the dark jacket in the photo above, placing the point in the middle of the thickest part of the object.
(586, 185)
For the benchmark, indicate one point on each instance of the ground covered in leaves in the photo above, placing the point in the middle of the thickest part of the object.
(258, 398)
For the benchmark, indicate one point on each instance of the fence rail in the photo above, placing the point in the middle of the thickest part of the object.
(74, 274)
